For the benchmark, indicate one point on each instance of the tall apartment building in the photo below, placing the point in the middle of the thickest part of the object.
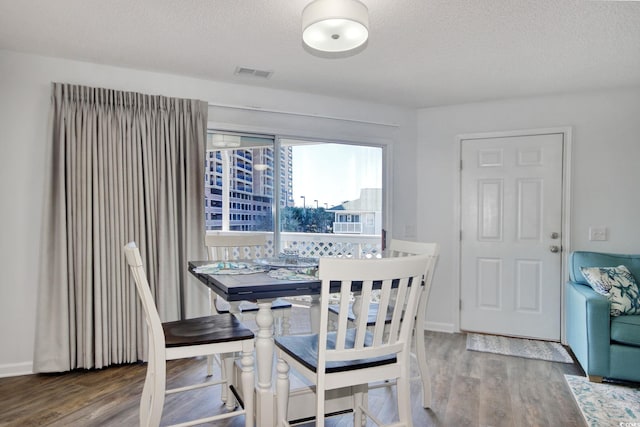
(240, 187)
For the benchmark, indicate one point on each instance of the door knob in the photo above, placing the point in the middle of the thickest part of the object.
(555, 235)
(554, 249)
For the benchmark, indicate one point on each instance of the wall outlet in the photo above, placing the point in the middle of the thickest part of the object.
(597, 233)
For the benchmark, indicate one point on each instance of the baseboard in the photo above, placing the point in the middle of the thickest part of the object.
(15, 369)
(439, 327)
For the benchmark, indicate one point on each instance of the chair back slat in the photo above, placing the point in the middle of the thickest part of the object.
(381, 317)
(406, 248)
(235, 247)
(345, 298)
(152, 318)
(399, 301)
(361, 321)
(404, 275)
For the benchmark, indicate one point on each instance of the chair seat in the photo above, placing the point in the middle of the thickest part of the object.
(304, 349)
(205, 330)
(222, 306)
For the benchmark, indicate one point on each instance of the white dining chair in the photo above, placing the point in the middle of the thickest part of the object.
(240, 247)
(400, 248)
(407, 248)
(203, 336)
(353, 355)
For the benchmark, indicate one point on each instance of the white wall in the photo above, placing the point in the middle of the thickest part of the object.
(24, 105)
(605, 171)
(606, 175)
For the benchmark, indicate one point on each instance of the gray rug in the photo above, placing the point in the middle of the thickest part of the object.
(520, 347)
(605, 404)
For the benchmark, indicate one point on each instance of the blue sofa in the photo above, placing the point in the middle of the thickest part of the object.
(605, 346)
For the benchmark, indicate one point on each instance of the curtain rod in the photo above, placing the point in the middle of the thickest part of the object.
(294, 113)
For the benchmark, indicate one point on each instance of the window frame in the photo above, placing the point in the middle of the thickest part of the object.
(387, 169)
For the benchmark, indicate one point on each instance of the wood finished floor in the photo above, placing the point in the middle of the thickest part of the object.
(469, 389)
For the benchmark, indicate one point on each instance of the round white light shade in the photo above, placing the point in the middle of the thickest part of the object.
(335, 25)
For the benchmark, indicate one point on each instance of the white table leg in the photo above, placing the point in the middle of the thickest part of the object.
(282, 393)
(265, 415)
(248, 382)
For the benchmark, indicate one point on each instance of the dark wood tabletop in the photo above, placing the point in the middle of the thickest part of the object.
(255, 286)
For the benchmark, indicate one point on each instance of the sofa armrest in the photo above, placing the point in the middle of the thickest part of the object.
(588, 327)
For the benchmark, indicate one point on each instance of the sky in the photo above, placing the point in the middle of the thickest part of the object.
(334, 173)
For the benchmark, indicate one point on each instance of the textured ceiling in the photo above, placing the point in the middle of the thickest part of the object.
(420, 53)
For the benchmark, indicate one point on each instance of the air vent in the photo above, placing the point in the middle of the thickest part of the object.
(251, 72)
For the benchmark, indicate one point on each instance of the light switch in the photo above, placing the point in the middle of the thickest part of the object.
(597, 233)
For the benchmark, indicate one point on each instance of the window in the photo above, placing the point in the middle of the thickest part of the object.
(239, 187)
(320, 192)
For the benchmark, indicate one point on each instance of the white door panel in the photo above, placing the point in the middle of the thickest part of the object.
(511, 203)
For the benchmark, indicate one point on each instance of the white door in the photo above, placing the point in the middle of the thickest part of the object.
(511, 217)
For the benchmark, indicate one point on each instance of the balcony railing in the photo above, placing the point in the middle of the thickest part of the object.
(324, 244)
(317, 245)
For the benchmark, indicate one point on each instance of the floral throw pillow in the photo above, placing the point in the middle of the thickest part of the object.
(618, 285)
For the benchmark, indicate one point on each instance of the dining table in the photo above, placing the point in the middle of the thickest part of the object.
(264, 285)
(262, 288)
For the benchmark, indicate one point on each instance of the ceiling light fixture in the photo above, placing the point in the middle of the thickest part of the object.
(335, 25)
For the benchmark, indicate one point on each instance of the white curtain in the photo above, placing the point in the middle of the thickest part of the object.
(124, 166)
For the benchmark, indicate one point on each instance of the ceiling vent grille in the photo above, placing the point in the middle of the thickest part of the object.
(252, 72)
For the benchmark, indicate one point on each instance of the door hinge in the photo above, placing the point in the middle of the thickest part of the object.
(461, 235)
(460, 164)
(460, 303)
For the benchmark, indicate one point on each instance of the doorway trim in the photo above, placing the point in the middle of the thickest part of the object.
(566, 132)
